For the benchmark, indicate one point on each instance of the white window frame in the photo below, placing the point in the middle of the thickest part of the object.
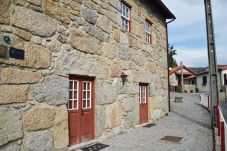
(143, 94)
(86, 93)
(127, 19)
(148, 32)
(73, 95)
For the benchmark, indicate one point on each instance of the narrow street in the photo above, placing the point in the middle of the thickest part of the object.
(187, 119)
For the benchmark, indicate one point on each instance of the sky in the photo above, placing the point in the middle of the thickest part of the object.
(188, 32)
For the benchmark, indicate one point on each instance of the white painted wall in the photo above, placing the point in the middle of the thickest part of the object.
(173, 80)
(206, 88)
(222, 76)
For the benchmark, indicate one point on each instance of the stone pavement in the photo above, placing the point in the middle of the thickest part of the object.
(187, 119)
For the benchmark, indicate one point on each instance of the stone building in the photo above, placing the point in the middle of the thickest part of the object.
(77, 70)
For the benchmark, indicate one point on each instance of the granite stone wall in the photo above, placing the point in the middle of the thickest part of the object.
(81, 37)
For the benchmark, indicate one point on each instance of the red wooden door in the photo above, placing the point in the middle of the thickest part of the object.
(81, 109)
(143, 100)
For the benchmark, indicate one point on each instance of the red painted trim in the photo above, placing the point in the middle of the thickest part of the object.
(222, 136)
(218, 120)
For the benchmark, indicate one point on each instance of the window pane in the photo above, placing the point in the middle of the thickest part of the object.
(84, 94)
(70, 84)
(88, 95)
(84, 86)
(70, 95)
(70, 105)
(75, 85)
(75, 104)
(126, 12)
(88, 103)
(84, 103)
(75, 95)
(88, 85)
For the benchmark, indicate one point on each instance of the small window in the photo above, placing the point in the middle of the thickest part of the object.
(142, 94)
(148, 32)
(204, 80)
(86, 95)
(225, 79)
(73, 95)
(125, 17)
(193, 82)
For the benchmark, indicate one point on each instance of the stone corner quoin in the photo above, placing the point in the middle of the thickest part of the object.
(81, 40)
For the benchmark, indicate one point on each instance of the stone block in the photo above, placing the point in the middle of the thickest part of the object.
(35, 2)
(39, 118)
(38, 141)
(73, 4)
(22, 33)
(89, 15)
(99, 119)
(114, 114)
(116, 68)
(34, 22)
(95, 31)
(55, 45)
(110, 50)
(10, 147)
(80, 40)
(104, 23)
(124, 38)
(142, 76)
(107, 93)
(53, 90)
(151, 66)
(36, 56)
(57, 11)
(10, 124)
(16, 76)
(116, 35)
(138, 57)
(60, 128)
(13, 94)
(4, 12)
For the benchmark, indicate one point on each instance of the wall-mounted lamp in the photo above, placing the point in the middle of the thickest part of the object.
(124, 77)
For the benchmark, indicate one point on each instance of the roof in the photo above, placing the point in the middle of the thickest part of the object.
(175, 69)
(220, 68)
(167, 13)
(190, 77)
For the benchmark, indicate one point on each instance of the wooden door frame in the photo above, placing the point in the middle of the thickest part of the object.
(80, 79)
(147, 86)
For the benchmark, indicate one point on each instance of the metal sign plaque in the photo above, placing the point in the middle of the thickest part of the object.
(3, 51)
(16, 53)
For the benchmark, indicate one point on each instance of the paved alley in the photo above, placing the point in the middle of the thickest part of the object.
(187, 119)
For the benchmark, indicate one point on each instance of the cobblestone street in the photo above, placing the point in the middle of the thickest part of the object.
(187, 119)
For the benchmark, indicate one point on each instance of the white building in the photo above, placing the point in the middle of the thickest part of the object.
(203, 80)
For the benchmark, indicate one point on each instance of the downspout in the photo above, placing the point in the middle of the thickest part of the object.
(167, 41)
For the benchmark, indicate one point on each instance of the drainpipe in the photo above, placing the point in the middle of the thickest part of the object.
(167, 41)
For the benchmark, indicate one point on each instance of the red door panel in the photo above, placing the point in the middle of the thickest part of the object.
(81, 109)
(73, 127)
(143, 101)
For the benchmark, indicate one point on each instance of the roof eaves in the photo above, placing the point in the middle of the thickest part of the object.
(166, 11)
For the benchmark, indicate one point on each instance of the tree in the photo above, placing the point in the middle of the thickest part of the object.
(171, 53)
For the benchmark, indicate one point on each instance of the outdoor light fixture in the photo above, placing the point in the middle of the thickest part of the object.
(124, 77)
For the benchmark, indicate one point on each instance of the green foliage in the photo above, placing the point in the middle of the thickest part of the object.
(171, 54)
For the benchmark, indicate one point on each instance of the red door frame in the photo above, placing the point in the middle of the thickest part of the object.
(80, 110)
(144, 106)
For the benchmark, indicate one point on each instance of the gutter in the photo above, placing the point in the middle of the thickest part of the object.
(167, 41)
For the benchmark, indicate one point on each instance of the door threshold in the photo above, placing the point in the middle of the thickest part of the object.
(83, 144)
(144, 124)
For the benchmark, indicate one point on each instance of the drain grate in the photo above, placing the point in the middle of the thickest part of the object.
(172, 139)
(149, 125)
(95, 147)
